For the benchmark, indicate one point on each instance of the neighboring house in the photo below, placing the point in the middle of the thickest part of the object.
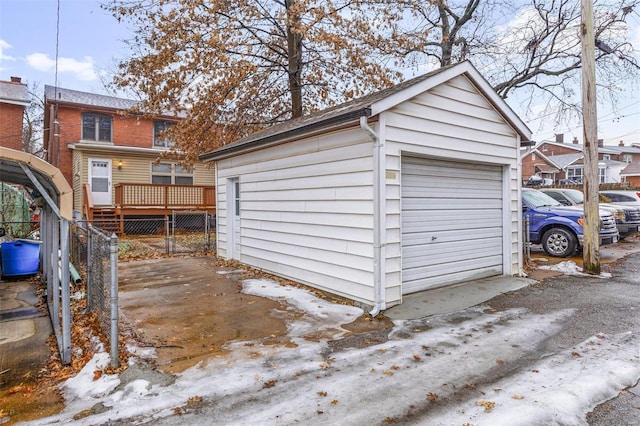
(113, 159)
(631, 174)
(407, 189)
(14, 98)
(558, 160)
(14, 203)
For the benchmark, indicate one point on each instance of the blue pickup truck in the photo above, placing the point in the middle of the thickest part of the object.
(558, 228)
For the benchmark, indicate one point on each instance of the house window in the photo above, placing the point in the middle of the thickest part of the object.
(237, 198)
(96, 127)
(544, 148)
(627, 158)
(170, 174)
(575, 174)
(158, 140)
(602, 173)
(606, 156)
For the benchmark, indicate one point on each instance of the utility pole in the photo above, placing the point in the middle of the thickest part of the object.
(591, 253)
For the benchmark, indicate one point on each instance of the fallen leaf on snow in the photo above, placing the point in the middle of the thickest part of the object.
(488, 405)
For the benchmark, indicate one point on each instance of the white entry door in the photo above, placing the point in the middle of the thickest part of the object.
(100, 181)
(233, 219)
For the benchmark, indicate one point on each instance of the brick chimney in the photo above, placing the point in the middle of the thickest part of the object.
(621, 143)
(16, 79)
(575, 140)
(600, 143)
(559, 137)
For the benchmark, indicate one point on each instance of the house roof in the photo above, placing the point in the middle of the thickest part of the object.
(87, 99)
(546, 168)
(367, 106)
(564, 160)
(631, 169)
(13, 92)
(68, 96)
(606, 149)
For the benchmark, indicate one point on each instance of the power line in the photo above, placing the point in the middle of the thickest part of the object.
(56, 129)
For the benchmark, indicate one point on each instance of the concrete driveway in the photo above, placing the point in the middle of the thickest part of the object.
(188, 308)
(24, 330)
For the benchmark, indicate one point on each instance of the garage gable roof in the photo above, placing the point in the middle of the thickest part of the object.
(370, 105)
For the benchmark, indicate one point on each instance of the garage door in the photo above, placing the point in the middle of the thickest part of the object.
(451, 222)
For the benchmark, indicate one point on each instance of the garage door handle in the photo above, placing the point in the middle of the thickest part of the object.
(433, 238)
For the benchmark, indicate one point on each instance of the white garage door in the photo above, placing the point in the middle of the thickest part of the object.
(451, 222)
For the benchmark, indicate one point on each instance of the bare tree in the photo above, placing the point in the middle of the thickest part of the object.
(527, 50)
(33, 123)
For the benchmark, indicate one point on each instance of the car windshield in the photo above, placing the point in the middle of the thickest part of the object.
(537, 199)
(574, 195)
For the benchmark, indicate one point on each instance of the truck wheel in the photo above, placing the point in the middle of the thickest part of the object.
(559, 242)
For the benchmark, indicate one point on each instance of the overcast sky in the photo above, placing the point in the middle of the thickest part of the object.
(90, 43)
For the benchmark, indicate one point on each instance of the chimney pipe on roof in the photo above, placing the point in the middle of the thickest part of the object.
(621, 143)
(575, 140)
(560, 137)
(600, 143)
(16, 79)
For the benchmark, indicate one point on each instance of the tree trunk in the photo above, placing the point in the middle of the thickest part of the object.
(294, 53)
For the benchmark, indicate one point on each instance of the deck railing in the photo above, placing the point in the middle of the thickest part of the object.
(87, 205)
(131, 195)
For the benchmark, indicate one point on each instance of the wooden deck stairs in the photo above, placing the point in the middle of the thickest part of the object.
(107, 220)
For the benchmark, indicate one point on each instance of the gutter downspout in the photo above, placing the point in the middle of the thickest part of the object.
(521, 237)
(379, 303)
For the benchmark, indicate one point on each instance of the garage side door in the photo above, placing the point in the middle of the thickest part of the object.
(451, 222)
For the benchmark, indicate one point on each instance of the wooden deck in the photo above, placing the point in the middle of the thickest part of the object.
(139, 200)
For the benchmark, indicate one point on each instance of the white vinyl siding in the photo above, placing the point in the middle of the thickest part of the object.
(307, 205)
(453, 122)
(451, 222)
(306, 211)
(136, 168)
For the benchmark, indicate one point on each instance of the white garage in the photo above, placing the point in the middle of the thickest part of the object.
(410, 188)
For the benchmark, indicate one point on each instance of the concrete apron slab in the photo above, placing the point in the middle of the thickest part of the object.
(445, 300)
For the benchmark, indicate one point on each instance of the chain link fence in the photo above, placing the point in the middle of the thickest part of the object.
(94, 252)
(94, 259)
(149, 236)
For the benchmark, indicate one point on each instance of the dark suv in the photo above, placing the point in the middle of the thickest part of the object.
(558, 228)
(627, 217)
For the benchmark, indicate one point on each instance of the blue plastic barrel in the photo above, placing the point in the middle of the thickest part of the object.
(20, 257)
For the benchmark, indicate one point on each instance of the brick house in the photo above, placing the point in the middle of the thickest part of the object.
(558, 160)
(14, 98)
(631, 174)
(114, 159)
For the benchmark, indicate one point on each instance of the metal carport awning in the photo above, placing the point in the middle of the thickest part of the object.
(25, 169)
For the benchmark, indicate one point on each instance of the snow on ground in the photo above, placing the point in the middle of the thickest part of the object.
(569, 267)
(476, 366)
